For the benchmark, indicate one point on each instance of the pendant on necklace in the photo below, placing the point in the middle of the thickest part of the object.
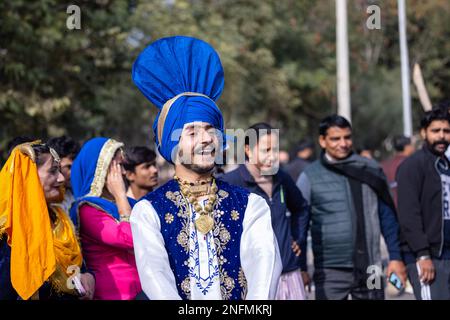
(204, 224)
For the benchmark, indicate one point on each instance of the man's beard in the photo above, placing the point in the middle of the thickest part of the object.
(199, 169)
(432, 147)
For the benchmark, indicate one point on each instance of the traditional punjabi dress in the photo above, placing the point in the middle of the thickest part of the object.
(39, 250)
(106, 241)
(238, 258)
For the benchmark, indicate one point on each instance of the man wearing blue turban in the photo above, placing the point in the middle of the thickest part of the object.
(195, 237)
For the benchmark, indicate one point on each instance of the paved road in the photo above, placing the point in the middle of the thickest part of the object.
(390, 294)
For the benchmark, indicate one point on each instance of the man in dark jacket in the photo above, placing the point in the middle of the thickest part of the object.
(281, 194)
(350, 207)
(423, 210)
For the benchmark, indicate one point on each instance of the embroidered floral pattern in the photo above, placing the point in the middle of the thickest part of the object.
(222, 260)
(168, 217)
(226, 285)
(224, 236)
(177, 198)
(186, 287)
(220, 236)
(171, 196)
(243, 283)
(183, 237)
(223, 194)
(205, 281)
(219, 213)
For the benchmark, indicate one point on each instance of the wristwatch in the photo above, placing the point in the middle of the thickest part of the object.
(425, 257)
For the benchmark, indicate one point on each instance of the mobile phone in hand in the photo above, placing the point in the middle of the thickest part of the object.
(396, 282)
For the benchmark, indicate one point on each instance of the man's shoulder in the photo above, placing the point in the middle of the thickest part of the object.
(230, 174)
(156, 194)
(297, 163)
(285, 177)
(312, 167)
(228, 186)
(233, 177)
(371, 163)
(414, 161)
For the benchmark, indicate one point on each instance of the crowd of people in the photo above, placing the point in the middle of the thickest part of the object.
(96, 221)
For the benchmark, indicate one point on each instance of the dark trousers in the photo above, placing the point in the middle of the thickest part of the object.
(439, 289)
(339, 284)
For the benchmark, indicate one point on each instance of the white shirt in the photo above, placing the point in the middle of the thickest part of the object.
(259, 255)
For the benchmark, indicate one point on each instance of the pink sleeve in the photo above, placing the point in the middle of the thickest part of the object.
(101, 227)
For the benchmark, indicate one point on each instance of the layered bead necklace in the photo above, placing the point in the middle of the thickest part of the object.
(192, 191)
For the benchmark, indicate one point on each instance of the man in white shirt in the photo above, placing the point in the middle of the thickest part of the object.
(195, 237)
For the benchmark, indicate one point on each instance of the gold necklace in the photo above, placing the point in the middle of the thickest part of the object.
(205, 222)
(198, 188)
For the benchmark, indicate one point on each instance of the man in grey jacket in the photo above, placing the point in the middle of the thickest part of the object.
(350, 207)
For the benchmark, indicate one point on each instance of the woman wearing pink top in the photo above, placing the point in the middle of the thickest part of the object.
(101, 213)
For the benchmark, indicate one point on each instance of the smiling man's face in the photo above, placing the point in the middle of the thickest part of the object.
(198, 145)
(337, 142)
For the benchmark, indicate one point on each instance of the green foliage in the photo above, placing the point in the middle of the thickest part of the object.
(279, 60)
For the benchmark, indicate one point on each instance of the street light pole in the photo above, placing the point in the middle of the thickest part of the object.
(343, 77)
(406, 96)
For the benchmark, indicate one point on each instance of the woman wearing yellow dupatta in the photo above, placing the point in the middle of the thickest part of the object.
(39, 251)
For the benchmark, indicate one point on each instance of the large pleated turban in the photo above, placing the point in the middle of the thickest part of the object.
(183, 77)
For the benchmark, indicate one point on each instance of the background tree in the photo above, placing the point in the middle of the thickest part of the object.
(279, 60)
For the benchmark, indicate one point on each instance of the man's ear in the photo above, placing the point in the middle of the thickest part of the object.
(322, 142)
(423, 133)
(130, 175)
(247, 151)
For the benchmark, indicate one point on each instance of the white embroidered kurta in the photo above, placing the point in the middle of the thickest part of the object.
(259, 254)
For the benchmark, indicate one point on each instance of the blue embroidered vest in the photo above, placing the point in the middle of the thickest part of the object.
(173, 212)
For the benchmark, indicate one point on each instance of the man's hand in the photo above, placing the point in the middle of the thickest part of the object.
(306, 281)
(427, 272)
(398, 267)
(296, 248)
(88, 282)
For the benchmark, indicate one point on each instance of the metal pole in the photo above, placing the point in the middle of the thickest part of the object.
(343, 77)
(406, 96)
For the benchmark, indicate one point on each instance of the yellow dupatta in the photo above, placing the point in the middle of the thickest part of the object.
(36, 251)
(67, 251)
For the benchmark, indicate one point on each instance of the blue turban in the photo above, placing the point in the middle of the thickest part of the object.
(188, 71)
